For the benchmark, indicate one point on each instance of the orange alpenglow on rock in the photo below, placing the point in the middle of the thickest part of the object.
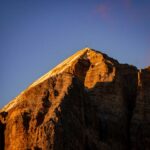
(88, 102)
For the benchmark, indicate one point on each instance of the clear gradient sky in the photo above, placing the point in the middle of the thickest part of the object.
(36, 35)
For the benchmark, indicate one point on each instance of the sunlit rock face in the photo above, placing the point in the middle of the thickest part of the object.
(88, 102)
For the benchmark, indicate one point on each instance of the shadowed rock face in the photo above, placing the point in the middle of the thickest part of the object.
(88, 102)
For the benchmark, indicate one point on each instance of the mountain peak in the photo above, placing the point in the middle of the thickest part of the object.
(89, 101)
(82, 64)
(83, 54)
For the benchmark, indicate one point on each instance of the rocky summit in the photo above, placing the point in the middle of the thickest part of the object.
(88, 102)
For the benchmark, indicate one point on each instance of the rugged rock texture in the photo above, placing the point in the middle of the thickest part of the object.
(88, 102)
(140, 123)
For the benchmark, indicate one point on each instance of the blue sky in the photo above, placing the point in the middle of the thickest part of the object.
(36, 35)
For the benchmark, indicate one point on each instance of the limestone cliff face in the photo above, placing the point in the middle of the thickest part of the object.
(88, 102)
(140, 123)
